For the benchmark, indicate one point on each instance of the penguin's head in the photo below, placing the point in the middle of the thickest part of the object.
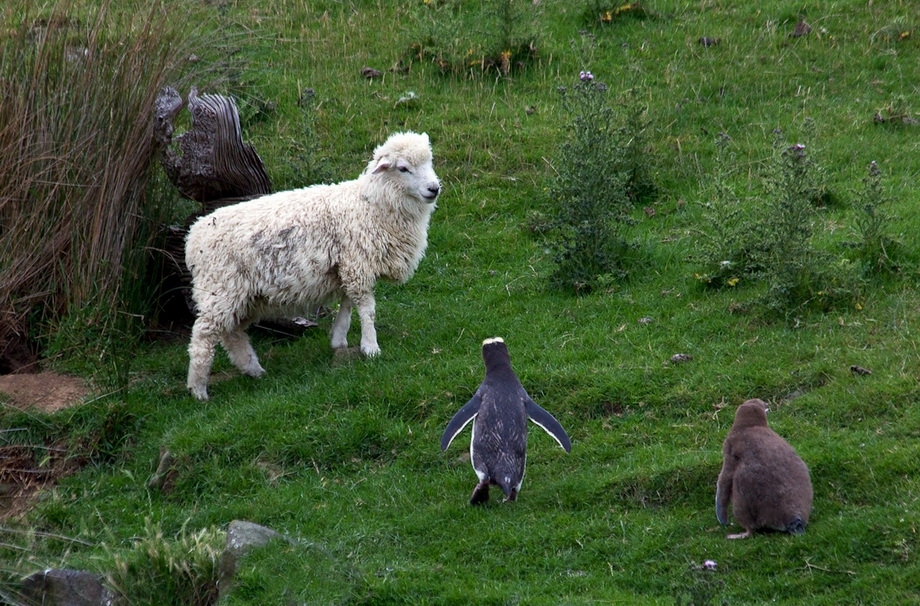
(752, 413)
(495, 353)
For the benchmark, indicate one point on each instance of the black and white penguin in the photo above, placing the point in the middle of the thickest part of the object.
(500, 407)
(764, 479)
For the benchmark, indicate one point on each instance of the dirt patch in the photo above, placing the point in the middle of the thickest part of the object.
(44, 391)
(25, 470)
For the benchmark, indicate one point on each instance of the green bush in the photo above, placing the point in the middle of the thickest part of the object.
(602, 170)
(874, 244)
(773, 245)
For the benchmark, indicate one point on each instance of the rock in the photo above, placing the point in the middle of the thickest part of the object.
(54, 587)
(163, 478)
(241, 537)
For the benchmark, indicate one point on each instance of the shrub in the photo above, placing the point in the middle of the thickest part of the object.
(731, 249)
(775, 246)
(871, 219)
(601, 171)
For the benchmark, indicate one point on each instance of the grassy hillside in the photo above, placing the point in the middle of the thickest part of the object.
(345, 456)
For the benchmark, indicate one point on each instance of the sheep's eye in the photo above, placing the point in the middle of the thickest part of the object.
(403, 169)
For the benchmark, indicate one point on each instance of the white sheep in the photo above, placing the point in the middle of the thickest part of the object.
(276, 255)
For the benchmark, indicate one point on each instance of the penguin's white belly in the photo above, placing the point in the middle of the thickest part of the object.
(482, 474)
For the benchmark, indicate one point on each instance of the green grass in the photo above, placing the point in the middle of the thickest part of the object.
(345, 458)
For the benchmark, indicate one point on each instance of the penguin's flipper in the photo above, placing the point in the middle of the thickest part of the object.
(547, 423)
(460, 420)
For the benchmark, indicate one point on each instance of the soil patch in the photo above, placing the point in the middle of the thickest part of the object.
(25, 470)
(46, 391)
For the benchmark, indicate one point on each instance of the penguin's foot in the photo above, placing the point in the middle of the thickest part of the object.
(480, 494)
(742, 535)
(796, 526)
(512, 496)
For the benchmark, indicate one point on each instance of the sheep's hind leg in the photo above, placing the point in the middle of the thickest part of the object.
(341, 325)
(241, 353)
(201, 358)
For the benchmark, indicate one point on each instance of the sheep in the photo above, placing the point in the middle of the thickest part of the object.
(276, 255)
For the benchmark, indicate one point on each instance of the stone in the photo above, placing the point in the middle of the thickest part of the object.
(56, 587)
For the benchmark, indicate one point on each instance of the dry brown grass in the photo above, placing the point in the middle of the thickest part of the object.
(76, 153)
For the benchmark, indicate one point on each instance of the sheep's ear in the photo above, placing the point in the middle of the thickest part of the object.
(383, 164)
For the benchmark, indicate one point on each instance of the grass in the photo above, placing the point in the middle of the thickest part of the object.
(345, 459)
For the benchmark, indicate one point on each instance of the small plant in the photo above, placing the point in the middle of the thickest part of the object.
(601, 172)
(501, 37)
(159, 570)
(775, 246)
(870, 223)
(896, 113)
(730, 249)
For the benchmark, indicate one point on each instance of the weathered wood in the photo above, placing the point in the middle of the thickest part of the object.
(213, 165)
(210, 164)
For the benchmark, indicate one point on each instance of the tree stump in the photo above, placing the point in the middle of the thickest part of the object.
(212, 166)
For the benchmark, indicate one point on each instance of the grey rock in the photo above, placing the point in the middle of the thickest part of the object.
(242, 536)
(55, 587)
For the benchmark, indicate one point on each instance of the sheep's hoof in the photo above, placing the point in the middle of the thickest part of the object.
(370, 352)
(199, 393)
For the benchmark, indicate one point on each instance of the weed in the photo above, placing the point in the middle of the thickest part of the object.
(501, 37)
(731, 249)
(601, 171)
(871, 222)
(160, 570)
(775, 245)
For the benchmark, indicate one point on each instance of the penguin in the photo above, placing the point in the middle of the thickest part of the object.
(766, 482)
(499, 410)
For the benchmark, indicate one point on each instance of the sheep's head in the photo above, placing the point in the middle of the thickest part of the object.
(406, 160)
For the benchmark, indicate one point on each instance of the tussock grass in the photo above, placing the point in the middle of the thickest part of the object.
(344, 458)
(78, 214)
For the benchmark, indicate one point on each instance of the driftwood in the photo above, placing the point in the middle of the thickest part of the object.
(213, 165)
(210, 164)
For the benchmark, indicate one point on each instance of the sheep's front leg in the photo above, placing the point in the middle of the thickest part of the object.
(341, 325)
(367, 314)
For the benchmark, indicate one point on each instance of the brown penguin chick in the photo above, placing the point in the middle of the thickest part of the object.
(763, 478)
